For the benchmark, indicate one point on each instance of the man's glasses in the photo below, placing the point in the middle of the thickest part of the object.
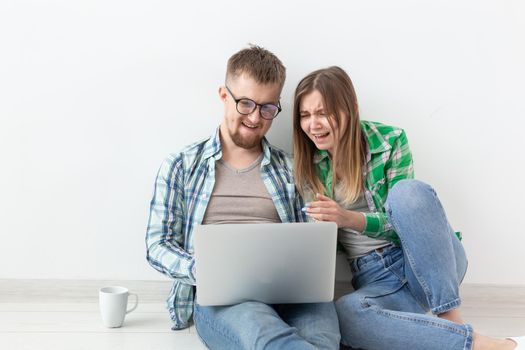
(246, 106)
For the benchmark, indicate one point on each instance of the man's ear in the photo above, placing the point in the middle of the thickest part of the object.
(223, 94)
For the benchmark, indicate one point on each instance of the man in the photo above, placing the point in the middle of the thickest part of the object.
(235, 176)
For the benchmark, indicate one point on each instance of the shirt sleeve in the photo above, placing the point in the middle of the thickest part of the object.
(399, 166)
(300, 215)
(164, 236)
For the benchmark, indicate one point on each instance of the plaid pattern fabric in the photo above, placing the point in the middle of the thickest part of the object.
(388, 160)
(182, 192)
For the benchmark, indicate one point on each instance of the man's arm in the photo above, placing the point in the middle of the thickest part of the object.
(300, 215)
(164, 236)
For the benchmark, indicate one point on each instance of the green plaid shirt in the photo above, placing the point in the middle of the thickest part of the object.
(388, 160)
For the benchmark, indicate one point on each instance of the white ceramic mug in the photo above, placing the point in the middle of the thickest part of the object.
(113, 303)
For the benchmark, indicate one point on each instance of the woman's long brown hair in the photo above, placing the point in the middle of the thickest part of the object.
(340, 105)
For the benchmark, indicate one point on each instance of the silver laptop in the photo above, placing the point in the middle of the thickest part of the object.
(270, 263)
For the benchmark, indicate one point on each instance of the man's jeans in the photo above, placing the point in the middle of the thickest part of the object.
(254, 325)
(397, 286)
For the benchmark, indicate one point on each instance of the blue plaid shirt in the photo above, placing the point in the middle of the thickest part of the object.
(182, 192)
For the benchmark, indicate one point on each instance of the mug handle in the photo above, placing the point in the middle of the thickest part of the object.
(136, 303)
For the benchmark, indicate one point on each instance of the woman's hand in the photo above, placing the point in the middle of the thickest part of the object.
(326, 209)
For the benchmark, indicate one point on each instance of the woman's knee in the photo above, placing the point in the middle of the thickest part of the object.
(409, 196)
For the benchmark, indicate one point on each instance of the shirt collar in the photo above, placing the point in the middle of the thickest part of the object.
(320, 155)
(212, 148)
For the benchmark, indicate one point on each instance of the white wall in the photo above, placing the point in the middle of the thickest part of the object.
(94, 94)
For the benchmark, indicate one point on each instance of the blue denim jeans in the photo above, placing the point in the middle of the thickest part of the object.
(397, 286)
(255, 325)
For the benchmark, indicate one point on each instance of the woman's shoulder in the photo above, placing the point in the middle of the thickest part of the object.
(379, 132)
(381, 128)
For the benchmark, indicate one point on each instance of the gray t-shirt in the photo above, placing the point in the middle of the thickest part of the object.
(356, 244)
(240, 197)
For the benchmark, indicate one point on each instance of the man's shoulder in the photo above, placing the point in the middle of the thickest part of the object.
(186, 157)
(194, 149)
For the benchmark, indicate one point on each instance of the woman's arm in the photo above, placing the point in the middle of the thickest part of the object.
(399, 166)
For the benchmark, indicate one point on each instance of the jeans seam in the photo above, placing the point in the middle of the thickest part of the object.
(469, 341)
(424, 286)
(423, 307)
(465, 273)
(405, 281)
(221, 332)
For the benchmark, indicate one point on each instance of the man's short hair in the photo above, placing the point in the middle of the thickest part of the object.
(259, 64)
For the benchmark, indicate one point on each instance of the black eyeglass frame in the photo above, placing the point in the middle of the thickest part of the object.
(237, 100)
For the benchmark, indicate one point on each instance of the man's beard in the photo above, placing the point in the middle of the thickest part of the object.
(245, 142)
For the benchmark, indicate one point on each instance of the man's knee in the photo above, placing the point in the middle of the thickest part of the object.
(349, 310)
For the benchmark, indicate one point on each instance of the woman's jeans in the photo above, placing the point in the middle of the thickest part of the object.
(255, 325)
(397, 286)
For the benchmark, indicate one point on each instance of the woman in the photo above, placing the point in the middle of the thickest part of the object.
(405, 258)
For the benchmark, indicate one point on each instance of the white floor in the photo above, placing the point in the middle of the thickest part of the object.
(63, 314)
